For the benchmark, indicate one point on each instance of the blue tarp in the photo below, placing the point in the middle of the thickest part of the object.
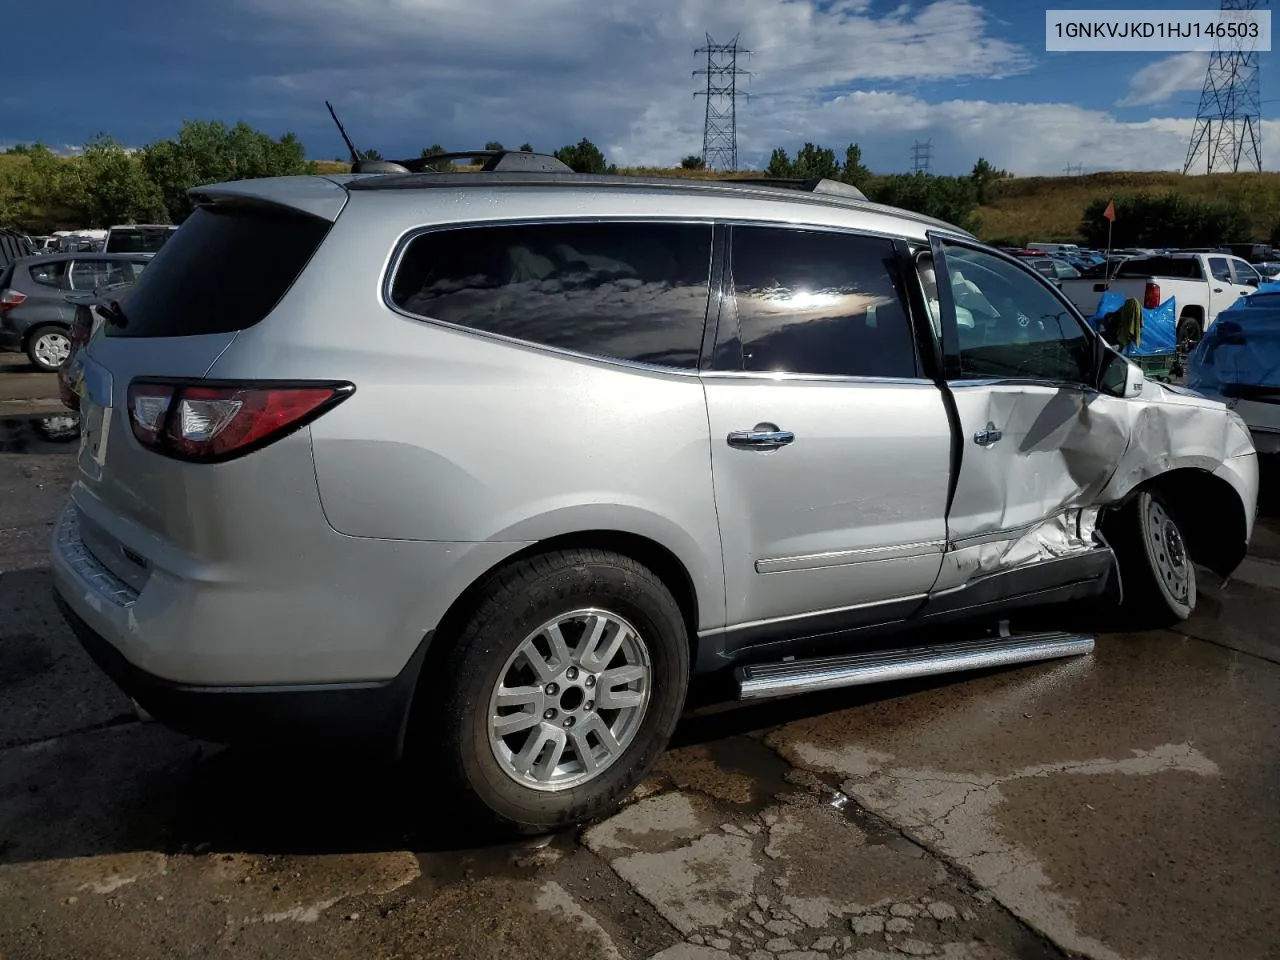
(1241, 347)
(1159, 326)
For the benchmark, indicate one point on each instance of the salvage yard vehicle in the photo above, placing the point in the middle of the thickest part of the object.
(1203, 284)
(482, 468)
(35, 316)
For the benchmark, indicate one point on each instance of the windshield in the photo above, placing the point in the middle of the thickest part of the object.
(136, 240)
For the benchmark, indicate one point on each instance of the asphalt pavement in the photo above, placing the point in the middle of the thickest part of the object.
(1124, 805)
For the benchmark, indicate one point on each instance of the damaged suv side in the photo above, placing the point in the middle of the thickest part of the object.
(482, 468)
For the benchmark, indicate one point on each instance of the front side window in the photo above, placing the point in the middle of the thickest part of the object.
(1220, 268)
(820, 303)
(1245, 273)
(626, 291)
(1010, 326)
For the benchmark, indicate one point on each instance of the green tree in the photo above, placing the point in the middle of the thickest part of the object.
(693, 162)
(815, 163)
(527, 147)
(584, 157)
(951, 199)
(494, 145)
(983, 175)
(855, 172)
(110, 185)
(211, 152)
(779, 165)
(370, 154)
(1164, 219)
(441, 166)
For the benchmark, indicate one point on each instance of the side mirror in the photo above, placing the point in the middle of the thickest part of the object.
(1251, 282)
(1120, 376)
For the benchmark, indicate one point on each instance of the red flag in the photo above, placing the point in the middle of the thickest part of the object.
(1110, 212)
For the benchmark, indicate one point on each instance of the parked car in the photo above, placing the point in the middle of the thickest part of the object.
(35, 317)
(138, 237)
(1052, 267)
(1238, 362)
(482, 467)
(1203, 284)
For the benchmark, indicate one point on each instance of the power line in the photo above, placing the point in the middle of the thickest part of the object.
(922, 156)
(720, 126)
(1228, 126)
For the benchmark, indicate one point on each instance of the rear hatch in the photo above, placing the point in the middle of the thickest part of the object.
(225, 270)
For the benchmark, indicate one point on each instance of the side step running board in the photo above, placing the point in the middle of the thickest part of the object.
(759, 681)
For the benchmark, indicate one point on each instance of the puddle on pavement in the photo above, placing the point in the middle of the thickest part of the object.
(51, 433)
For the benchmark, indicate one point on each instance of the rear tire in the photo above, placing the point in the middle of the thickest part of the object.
(48, 345)
(1157, 573)
(556, 697)
(1189, 334)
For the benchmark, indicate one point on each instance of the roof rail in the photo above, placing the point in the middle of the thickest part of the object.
(495, 161)
(820, 185)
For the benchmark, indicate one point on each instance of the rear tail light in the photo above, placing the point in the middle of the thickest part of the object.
(208, 422)
(1151, 296)
(10, 299)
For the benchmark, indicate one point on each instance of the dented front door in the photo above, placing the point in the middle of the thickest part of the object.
(1038, 442)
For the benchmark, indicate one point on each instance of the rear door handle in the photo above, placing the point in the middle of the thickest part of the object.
(765, 436)
(988, 436)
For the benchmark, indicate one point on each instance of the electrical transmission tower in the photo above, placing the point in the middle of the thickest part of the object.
(1228, 126)
(1074, 171)
(720, 128)
(922, 156)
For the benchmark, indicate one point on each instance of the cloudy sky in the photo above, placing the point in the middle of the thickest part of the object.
(971, 76)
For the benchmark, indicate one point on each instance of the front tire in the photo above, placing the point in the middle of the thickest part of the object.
(1156, 570)
(558, 694)
(48, 346)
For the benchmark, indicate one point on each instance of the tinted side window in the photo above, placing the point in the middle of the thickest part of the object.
(1220, 269)
(49, 274)
(1010, 326)
(821, 303)
(626, 291)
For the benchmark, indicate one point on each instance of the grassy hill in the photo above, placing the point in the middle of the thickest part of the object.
(1048, 208)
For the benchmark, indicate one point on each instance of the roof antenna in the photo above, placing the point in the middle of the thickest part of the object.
(357, 164)
(355, 155)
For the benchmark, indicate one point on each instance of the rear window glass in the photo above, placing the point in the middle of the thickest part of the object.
(1182, 268)
(136, 241)
(225, 270)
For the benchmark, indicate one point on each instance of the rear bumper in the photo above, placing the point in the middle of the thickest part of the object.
(366, 715)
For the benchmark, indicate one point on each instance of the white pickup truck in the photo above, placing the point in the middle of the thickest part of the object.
(1204, 285)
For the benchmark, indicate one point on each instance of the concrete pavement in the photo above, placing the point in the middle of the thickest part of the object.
(1119, 806)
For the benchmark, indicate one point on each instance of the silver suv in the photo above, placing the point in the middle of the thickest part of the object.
(482, 468)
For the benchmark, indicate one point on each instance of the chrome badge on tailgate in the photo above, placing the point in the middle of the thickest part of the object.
(94, 387)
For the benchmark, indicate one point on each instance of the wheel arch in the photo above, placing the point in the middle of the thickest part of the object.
(1209, 510)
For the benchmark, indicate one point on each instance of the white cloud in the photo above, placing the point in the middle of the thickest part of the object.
(1158, 82)
(464, 71)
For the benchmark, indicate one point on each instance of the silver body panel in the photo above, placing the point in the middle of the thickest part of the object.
(326, 557)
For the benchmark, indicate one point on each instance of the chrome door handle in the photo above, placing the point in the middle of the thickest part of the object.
(987, 436)
(765, 436)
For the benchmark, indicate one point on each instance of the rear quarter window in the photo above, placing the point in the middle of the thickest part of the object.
(49, 274)
(224, 271)
(625, 291)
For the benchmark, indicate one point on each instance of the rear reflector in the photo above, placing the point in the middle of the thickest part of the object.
(208, 422)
